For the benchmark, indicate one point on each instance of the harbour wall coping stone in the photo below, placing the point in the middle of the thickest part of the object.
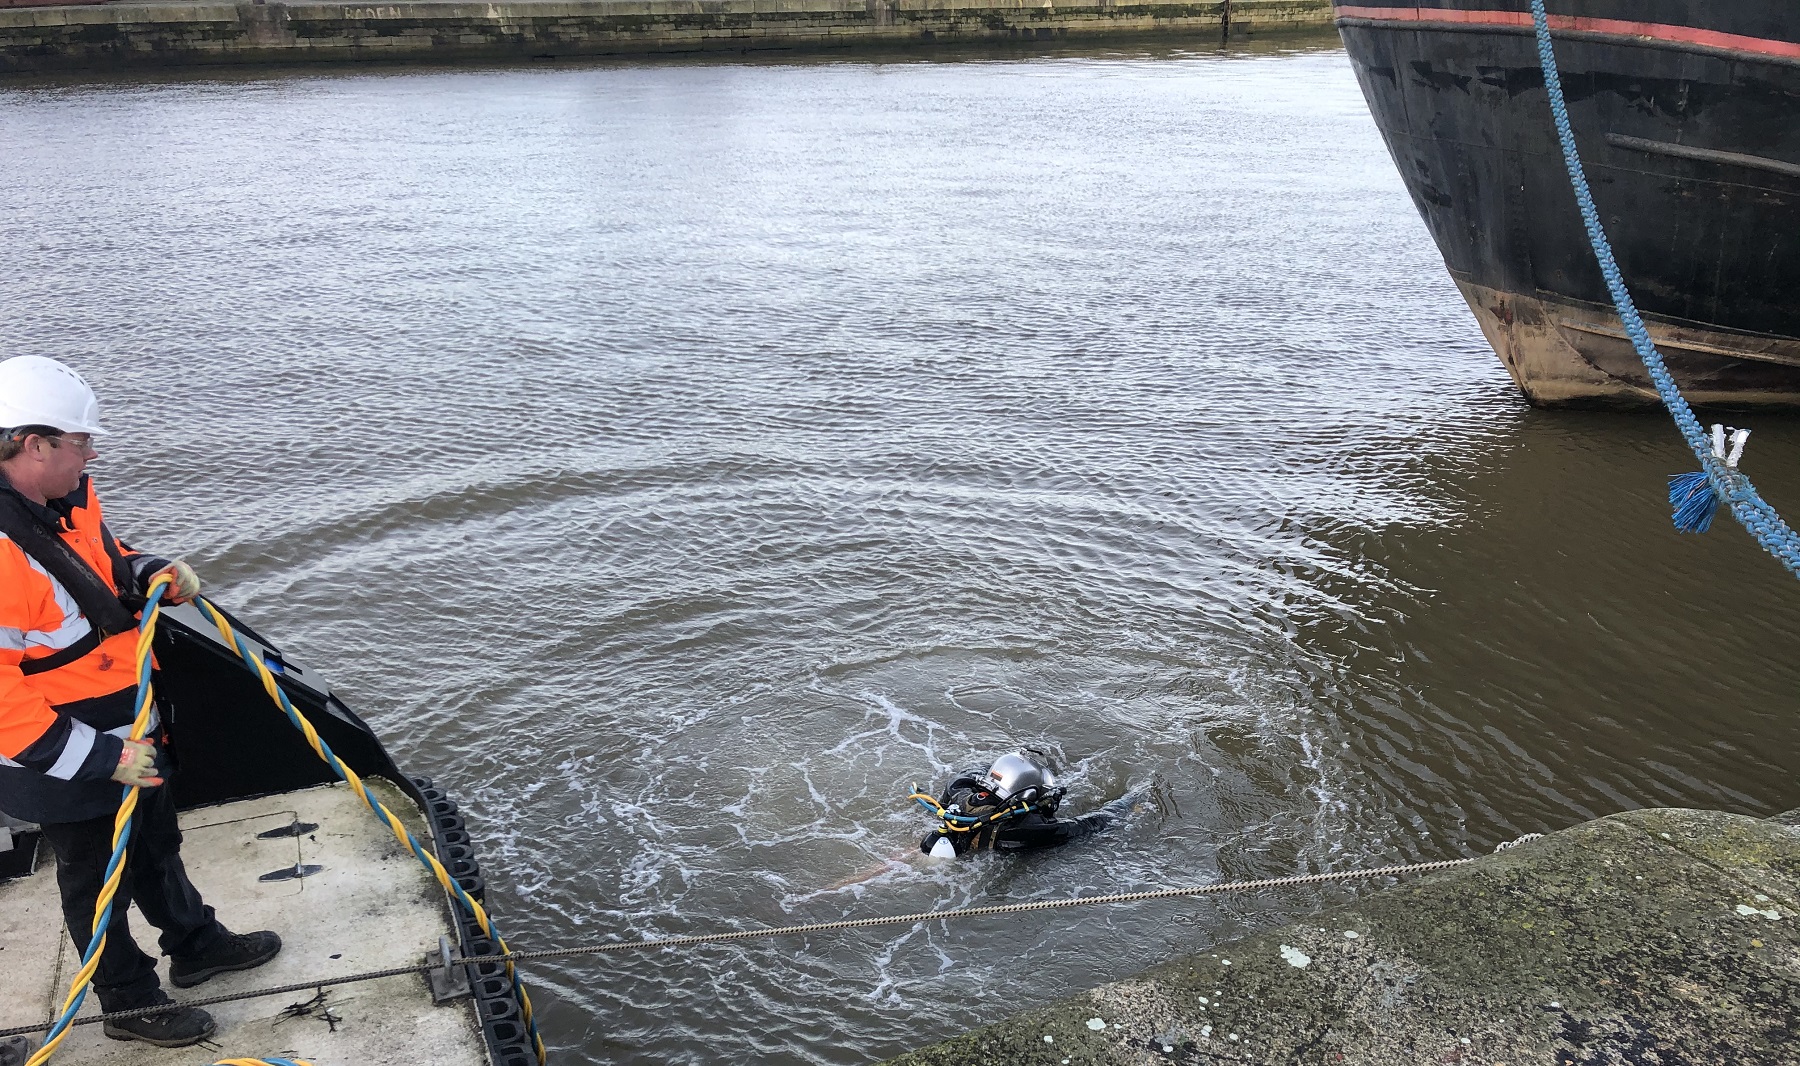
(186, 32)
(1664, 935)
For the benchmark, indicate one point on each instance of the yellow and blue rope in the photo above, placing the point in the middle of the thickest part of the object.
(349, 776)
(128, 805)
(115, 867)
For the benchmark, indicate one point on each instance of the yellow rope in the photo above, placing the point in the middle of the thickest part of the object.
(476, 910)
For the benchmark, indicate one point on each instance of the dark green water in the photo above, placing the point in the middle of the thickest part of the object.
(678, 460)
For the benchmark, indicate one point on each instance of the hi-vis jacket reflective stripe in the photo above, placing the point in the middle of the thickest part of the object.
(65, 722)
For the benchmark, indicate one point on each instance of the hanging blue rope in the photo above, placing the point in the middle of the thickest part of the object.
(1721, 480)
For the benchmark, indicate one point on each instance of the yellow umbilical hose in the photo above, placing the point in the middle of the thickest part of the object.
(970, 823)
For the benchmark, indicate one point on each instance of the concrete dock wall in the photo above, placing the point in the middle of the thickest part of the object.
(185, 32)
(1656, 936)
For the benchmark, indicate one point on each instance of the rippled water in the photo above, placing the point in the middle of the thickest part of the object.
(677, 460)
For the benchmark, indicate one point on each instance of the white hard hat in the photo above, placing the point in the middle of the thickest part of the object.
(38, 391)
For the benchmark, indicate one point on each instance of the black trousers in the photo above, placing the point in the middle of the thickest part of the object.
(154, 879)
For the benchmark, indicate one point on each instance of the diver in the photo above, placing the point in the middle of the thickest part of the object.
(1011, 806)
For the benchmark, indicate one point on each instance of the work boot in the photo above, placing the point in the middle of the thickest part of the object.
(233, 951)
(175, 1027)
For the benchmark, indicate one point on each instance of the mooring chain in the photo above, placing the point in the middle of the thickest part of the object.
(980, 912)
(785, 930)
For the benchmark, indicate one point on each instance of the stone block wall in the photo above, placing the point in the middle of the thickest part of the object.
(185, 32)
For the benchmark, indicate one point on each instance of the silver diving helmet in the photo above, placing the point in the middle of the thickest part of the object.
(1018, 777)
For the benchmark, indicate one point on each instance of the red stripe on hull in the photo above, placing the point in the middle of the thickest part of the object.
(1657, 31)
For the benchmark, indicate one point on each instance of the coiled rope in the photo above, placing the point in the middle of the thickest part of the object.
(819, 927)
(380, 810)
(1734, 488)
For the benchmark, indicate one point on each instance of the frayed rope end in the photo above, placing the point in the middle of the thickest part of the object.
(1694, 501)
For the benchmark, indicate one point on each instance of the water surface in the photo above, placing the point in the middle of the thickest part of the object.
(677, 460)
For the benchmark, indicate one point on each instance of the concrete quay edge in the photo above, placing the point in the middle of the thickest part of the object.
(1662, 935)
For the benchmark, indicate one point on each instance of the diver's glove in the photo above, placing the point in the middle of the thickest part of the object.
(137, 765)
(184, 584)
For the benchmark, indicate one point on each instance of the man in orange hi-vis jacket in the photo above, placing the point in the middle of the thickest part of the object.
(69, 596)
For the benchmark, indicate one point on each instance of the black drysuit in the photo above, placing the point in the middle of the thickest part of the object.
(1034, 830)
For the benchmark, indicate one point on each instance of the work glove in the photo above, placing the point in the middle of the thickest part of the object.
(137, 765)
(184, 584)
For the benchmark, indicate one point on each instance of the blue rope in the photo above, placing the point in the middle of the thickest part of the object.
(1728, 484)
(1694, 501)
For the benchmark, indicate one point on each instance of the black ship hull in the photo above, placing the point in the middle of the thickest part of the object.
(1688, 119)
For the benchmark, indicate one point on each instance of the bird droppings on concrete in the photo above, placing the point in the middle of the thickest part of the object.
(1771, 914)
(1296, 958)
(1048, 1039)
(1351, 934)
(1095, 1024)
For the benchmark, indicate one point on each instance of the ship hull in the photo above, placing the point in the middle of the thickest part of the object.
(1689, 130)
